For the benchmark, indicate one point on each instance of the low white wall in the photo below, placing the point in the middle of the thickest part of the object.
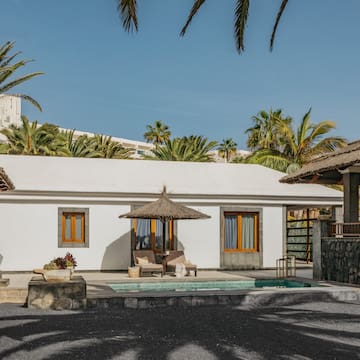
(29, 237)
(201, 238)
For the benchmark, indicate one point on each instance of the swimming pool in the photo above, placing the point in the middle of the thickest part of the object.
(208, 285)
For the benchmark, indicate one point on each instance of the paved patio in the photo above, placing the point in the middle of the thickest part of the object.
(97, 281)
(100, 294)
(20, 280)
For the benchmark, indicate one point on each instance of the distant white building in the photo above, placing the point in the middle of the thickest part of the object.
(239, 153)
(61, 204)
(10, 112)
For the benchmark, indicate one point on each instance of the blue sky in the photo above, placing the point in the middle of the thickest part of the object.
(101, 79)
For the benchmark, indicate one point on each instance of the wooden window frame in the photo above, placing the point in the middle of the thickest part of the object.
(239, 215)
(72, 242)
(153, 234)
(73, 238)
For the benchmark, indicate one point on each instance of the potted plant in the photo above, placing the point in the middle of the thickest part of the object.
(59, 269)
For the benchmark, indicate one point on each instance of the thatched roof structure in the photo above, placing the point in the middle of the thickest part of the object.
(164, 209)
(327, 169)
(5, 182)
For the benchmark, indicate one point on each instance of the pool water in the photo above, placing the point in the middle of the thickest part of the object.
(208, 285)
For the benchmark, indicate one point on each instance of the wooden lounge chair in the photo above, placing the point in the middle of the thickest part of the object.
(145, 260)
(178, 257)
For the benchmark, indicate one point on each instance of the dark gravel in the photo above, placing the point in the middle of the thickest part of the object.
(327, 330)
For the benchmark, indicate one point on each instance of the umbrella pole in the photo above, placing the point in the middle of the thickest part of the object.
(164, 235)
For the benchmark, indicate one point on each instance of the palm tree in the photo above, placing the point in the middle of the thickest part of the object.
(264, 134)
(110, 149)
(158, 133)
(192, 148)
(227, 148)
(78, 147)
(239, 159)
(8, 68)
(298, 148)
(128, 12)
(97, 146)
(32, 139)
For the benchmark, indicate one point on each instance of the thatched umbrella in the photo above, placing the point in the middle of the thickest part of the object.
(5, 182)
(164, 210)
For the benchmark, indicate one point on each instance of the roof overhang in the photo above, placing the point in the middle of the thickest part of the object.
(328, 169)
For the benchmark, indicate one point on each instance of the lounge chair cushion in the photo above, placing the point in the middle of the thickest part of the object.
(179, 260)
(142, 260)
(150, 266)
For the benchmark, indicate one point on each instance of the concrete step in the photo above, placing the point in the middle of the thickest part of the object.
(13, 295)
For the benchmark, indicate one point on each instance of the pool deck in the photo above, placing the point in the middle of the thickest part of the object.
(100, 294)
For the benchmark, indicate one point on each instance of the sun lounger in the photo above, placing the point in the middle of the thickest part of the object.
(145, 260)
(178, 257)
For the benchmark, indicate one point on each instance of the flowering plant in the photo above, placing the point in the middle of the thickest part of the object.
(61, 262)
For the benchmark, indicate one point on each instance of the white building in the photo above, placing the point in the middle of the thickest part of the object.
(10, 112)
(73, 204)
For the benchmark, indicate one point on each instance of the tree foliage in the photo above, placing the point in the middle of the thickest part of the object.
(48, 140)
(128, 12)
(32, 139)
(8, 68)
(192, 148)
(282, 148)
(227, 149)
(158, 133)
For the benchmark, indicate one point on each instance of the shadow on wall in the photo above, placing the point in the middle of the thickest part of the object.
(178, 244)
(117, 255)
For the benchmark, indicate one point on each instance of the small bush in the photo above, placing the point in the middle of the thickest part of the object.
(61, 262)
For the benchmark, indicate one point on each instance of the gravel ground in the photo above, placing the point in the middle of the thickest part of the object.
(326, 330)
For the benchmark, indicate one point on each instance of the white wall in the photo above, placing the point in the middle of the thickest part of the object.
(272, 235)
(201, 238)
(10, 110)
(29, 237)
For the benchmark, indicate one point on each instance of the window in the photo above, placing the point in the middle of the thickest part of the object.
(148, 234)
(73, 227)
(241, 232)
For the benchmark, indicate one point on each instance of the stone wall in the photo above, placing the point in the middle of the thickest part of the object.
(60, 295)
(340, 259)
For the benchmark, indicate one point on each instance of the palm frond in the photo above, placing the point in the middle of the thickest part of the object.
(322, 128)
(128, 11)
(269, 158)
(30, 100)
(278, 17)
(195, 8)
(304, 128)
(241, 15)
(4, 49)
(325, 146)
(18, 81)
(7, 60)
